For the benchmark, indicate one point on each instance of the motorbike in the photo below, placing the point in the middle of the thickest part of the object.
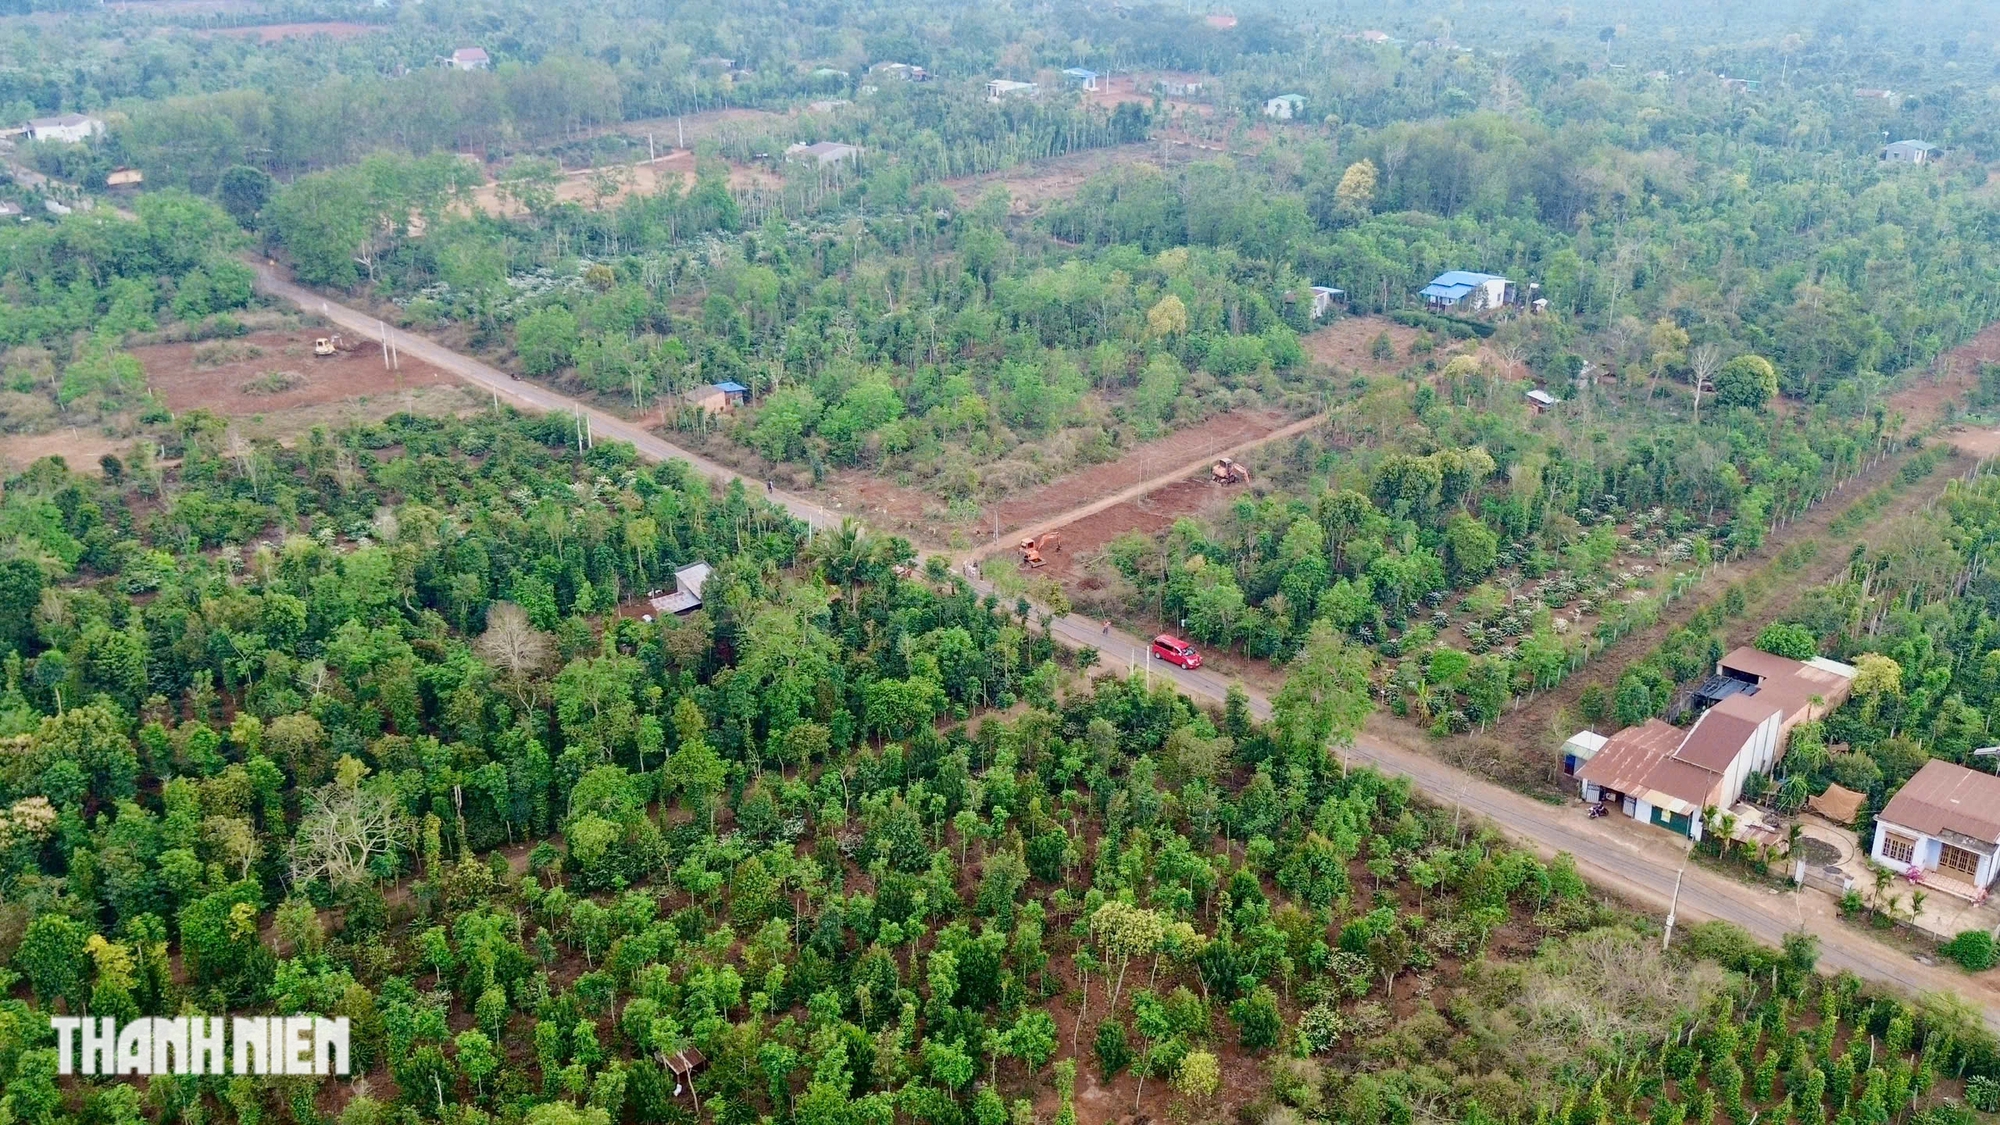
(1598, 810)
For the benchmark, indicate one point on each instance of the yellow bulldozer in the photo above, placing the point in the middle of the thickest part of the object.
(331, 345)
(1227, 471)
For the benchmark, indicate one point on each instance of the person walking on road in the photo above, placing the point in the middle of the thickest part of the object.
(1107, 626)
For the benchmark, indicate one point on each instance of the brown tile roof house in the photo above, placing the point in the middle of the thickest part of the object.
(1660, 773)
(1943, 798)
(1943, 827)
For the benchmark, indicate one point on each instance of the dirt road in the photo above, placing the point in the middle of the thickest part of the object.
(1197, 467)
(1640, 863)
(524, 395)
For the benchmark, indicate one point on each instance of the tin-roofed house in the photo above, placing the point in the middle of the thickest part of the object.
(718, 398)
(1001, 89)
(1943, 828)
(69, 128)
(1911, 152)
(1325, 298)
(1670, 777)
(1284, 107)
(1465, 291)
(686, 597)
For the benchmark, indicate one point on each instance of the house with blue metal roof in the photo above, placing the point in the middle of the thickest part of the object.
(1080, 79)
(1465, 291)
(718, 397)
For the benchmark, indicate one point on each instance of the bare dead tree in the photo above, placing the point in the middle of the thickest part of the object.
(344, 829)
(1703, 363)
(513, 646)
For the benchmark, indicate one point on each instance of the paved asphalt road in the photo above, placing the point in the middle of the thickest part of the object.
(1633, 860)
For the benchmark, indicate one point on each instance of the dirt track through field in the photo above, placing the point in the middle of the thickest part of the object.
(1183, 471)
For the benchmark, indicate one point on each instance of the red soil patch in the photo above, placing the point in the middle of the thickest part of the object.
(901, 510)
(273, 32)
(233, 387)
(1923, 397)
(1082, 541)
(1118, 89)
(1162, 455)
(79, 449)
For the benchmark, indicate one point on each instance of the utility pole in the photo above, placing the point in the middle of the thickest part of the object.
(680, 132)
(1673, 908)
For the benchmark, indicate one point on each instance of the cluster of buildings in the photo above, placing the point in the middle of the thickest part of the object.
(1941, 828)
(1669, 776)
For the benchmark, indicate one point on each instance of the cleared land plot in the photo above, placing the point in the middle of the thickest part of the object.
(1082, 541)
(79, 449)
(1206, 438)
(1118, 89)
(706, 125)
(909, 511)
(1924, 395)
(1032, 185)
(612, 184)
(1349, 343)
(268, 372)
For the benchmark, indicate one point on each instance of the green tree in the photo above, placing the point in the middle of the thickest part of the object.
(243, 192)
(1470, 550)
(52, 957)
(1258, 1021)
(547, 339)
(1788, 640)
(1747, 380)
(694, 768)
(1325, 697)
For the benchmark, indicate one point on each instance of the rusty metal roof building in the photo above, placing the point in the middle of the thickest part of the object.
(1628, 757)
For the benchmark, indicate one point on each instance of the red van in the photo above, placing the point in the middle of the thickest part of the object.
(1173, 650)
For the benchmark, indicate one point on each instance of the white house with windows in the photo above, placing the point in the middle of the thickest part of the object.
(1942, 828)
(1001, 89)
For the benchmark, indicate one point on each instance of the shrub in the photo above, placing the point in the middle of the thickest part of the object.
(1793, 641)
(1983, 1093)
(1973, 950)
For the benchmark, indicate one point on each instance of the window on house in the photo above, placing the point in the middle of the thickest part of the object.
(1898, 848)
(1960, 860)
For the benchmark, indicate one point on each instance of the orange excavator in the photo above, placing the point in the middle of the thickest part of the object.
(1032, 549)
